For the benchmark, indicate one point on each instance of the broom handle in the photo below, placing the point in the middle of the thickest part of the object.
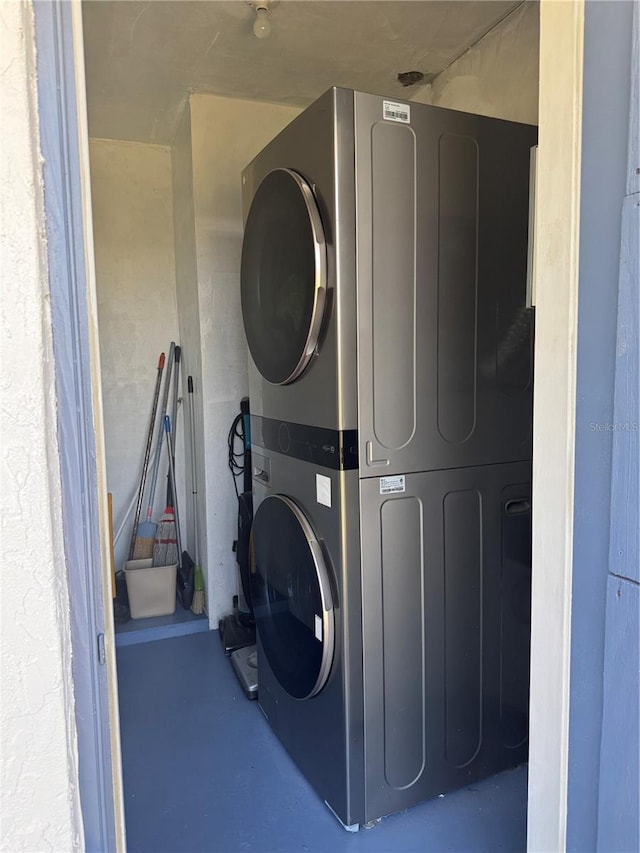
(172, 480)
(158, 448)
(194, 481)
(147, 453)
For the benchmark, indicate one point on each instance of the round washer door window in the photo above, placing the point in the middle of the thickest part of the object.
(283, 276)
(292, 599)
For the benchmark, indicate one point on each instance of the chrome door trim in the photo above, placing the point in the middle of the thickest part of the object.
(320, 279)
(324, 584)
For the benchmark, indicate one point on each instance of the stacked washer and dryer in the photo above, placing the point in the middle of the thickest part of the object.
(384, 269)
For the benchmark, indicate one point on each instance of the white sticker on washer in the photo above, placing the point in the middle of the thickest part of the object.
(392, 485)
(318, 628)
(396, 112)
(323, 490)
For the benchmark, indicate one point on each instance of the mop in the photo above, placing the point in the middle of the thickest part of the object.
(197, 604)
(167, 546)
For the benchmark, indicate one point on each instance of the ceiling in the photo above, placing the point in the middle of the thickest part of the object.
(144, 58)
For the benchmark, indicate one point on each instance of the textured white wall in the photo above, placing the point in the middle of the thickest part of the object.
(498, 76)
(39, 803)
(137, 307)
(226, 135)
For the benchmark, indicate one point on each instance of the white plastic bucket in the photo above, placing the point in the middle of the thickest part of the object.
(151, 589)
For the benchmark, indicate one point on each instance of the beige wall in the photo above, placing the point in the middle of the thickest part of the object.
(226, 135)
(498, 76)
(168, 234)
(137, 305)
(39, 803)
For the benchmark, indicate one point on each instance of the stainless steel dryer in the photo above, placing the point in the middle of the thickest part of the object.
(383, 296)
(383, 286)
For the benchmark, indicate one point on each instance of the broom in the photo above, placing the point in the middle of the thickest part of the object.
(197, 603)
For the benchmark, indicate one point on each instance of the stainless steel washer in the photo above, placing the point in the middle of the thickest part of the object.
(393, 628)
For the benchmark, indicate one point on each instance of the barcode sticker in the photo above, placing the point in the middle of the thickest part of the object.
(318, 628)
(396, 112)
(392, 485)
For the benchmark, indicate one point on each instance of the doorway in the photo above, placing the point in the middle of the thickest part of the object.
(574, 28)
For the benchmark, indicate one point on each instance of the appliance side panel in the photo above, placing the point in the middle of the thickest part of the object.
(464, 188)
(395, 665)
(403, 621)
(515, 613)
(457, 333)
(393, 283)
(346, 561)
(463, 587)
(467, 531)
(344, 253)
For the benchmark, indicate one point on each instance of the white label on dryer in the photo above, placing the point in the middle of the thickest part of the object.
(392, 485)
(396, 112)
(323, 490)
(318, 628)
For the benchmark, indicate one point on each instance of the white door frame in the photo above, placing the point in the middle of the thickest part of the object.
(64, 146)
(556, 271)
(556, 280)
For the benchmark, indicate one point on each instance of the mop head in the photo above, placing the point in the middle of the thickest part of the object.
(197, 605)
(165, 546)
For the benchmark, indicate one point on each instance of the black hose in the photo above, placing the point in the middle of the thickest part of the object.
(236, 433)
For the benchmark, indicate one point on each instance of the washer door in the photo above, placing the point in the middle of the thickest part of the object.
(292, 599)
(283, 276)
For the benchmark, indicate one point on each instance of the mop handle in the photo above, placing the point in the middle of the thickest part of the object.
(172, 480)
(158, 448)
(174, 415)
(174, 406)
(147, 453)
(194, 481)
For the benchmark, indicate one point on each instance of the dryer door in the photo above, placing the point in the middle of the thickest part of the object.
(283, 276)
(292, 598)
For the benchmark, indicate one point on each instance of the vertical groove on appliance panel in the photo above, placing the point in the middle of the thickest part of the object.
(515, 617)
(458, 165)
(393, 187)
(403, 641)
(462, 517)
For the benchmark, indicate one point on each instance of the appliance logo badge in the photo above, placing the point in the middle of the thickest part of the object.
(392, 485)
(396, 112)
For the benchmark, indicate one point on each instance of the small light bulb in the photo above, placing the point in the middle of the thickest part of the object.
(262, 25)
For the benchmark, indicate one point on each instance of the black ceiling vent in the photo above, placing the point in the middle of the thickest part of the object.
(410, 78)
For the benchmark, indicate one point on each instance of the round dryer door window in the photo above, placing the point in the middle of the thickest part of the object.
(292, 599)
(283, 276)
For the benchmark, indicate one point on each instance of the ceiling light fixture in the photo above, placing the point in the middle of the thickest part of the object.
(262, 24)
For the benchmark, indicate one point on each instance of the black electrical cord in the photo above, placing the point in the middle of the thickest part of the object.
(236, 433)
